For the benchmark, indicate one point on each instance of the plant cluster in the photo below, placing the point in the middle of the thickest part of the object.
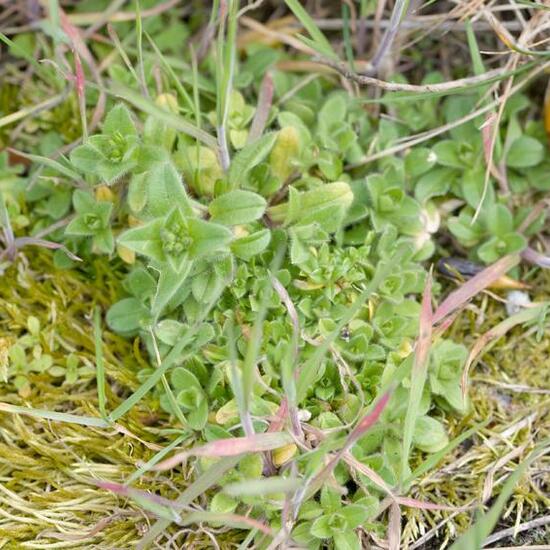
(258, 264)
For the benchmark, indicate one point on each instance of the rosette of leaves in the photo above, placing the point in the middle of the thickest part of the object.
(495, 233)
(92, 219)
(447, 361)
(111, 154)
(333, 520)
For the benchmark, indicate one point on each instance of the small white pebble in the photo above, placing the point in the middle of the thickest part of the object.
(516, 300)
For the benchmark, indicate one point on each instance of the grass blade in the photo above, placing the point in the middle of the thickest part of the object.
(50, 163)
(362, 427)
(99, 364)
(419, 374)
(261, 487)
(175, 80)
(234, 446)
(473, 286)
(255, 340)
(91, 421)
(167, 363)
(318, 41)
(229, 520)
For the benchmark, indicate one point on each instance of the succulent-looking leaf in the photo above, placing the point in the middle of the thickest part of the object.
(237, 207)
(248, 157)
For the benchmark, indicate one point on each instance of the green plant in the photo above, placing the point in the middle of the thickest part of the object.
(268, 270)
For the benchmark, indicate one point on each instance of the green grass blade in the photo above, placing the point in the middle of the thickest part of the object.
(40, 69)
(99, 364)
(50, 163)
(122, 52)
(90, 421)
(262, 486)
(175, 80)
(318, 40)
(348, 47)
(419, 374)
(139, 45)
(255, 341)
(534, 5)
(475, 54)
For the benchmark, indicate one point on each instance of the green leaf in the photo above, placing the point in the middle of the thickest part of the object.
(140, 283)
(433, 184)
(263, 486)
(237, 207)
(197, 418)
(169, 284)
(472, 184)
(164, 190)
(496, 247)
(348, 540)
(137, 192)
(181, 378)
(330, 164)
(248, 157)
(447, 154)
(429, 434)
(326, 205)
(169, 330)
(321, 528)
(525, 152)
(110, 172)
(355, 515)
(330, 500)
(145, 239)
(86, 158)
(251, 245)
(78, 227)
(419, 161)
(119, 119)
(222, 503)
(499, 220)
(83, 202)
(104, 241)
(206, 285)
(127, 316)
(208, 237)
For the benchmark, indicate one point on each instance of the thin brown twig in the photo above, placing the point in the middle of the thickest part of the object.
(512, 531)
(365, 80)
